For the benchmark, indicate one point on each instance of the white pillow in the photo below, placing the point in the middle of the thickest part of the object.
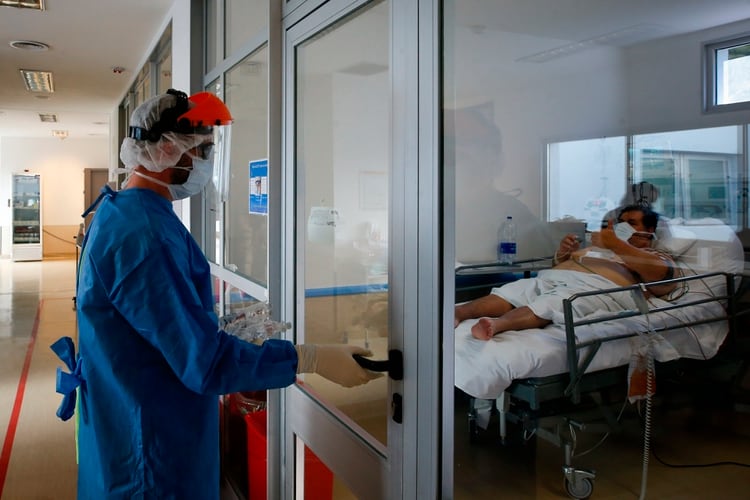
(675, 240)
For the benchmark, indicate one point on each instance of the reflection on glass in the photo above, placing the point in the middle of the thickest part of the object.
(696, 171)
(247, 203)
(315, 479)
(585, 178)
(163, 55)
(542, 106)
(343, 167)
(164, 68)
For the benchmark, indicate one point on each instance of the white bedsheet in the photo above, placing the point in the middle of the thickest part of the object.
(484, 369)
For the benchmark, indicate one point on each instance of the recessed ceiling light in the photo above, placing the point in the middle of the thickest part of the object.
(24, 4)
(37, 81)
(30, 45)
(62, 134)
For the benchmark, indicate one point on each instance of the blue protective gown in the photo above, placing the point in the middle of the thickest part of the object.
(152, 362)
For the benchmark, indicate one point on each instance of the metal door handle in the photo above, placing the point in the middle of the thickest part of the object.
(394, 365)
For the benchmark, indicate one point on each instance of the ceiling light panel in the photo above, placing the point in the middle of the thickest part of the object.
(38, 81)
(24, 4)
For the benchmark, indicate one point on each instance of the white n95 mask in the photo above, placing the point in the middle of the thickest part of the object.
(198, 177)
(624, 231)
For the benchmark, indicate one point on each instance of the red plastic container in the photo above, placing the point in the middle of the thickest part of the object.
(318, 478)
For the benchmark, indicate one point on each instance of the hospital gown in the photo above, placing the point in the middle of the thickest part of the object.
(152, 359)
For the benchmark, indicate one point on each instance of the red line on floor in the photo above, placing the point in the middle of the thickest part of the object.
(13, 422)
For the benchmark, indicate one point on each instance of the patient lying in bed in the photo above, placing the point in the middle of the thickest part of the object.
(621, 255)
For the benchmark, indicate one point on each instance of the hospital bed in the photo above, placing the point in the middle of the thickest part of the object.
(537, 378)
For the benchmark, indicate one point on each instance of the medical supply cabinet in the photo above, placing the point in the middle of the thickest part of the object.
(27, 217)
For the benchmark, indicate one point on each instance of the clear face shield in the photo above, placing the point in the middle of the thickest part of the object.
(222, 144)
(174, 131)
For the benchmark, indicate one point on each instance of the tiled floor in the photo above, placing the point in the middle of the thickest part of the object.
(38, 456)
(36, 308)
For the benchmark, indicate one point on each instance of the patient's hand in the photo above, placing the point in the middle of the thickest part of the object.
(568, 245)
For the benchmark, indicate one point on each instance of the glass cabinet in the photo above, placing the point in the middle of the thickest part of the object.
(27, 217)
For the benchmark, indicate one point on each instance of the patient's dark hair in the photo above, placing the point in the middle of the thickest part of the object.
(650, 218)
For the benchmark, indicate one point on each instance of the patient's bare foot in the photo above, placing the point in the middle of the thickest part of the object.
(484, 329)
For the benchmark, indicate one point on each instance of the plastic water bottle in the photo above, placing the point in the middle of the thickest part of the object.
(506, 241)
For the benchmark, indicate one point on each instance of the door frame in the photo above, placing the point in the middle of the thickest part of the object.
(416, 273)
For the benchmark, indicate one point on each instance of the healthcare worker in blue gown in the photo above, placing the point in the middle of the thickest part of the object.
(151, 360)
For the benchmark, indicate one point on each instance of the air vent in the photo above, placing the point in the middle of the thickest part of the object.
(29, 45)
(48, 117)
(24, 4)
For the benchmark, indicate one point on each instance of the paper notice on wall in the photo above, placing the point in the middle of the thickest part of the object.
(258, 203)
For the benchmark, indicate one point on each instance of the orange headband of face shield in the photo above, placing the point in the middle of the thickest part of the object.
(207, 111)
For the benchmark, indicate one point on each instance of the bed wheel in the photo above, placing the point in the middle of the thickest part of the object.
(579, 483)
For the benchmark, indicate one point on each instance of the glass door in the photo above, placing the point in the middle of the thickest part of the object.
(27, 217)
(362, 195)
(338, 168)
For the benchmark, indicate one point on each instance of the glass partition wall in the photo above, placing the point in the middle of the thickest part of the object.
(235, 213)
(550, 115)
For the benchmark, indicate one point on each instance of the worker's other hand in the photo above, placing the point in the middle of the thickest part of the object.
(334, 362)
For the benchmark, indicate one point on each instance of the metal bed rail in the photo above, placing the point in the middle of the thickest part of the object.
(578, 364)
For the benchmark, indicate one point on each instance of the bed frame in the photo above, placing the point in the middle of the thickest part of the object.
(539, 405)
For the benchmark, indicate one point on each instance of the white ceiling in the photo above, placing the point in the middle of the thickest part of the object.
(87, 39)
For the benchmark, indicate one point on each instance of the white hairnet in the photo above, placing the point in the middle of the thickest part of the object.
(167, 150)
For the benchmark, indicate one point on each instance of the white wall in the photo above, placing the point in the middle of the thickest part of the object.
(61, 164)
(599, 92)
(665, 83)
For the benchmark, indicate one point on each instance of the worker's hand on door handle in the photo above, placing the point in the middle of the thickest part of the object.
(334, 362)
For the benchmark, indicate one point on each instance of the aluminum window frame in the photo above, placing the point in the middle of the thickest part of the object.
(710, 74)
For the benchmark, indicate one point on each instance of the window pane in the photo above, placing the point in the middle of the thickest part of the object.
(696, 171)
(733, 74)
(586, 179)
(660, 172)
(244, 20)
(246, 210)
(214, 43)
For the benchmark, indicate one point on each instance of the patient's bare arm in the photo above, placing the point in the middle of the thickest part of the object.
(520, 318)
(644, 262)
